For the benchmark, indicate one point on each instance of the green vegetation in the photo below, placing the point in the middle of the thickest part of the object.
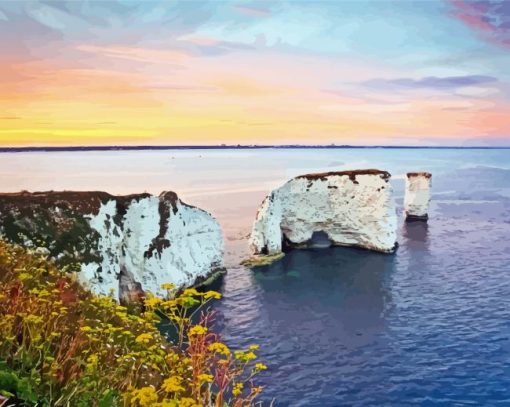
(262, 260)
(62, 346)
(66, 234)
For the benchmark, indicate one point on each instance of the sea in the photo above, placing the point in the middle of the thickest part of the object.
(427, 325)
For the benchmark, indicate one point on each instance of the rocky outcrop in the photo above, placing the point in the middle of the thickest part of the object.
(350, 208)
(121, 244)
(417, 197)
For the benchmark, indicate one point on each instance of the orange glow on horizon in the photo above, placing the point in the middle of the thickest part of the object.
(213, 102)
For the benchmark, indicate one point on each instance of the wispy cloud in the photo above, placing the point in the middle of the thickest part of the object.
(252, 70)
(136, 54)
(208, 45)
(253, 11)
(431, 82)
(490, 18)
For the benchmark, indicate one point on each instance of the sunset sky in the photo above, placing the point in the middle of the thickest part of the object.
(279, 72)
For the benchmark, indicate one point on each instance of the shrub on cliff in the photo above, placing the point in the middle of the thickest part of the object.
(61, 345)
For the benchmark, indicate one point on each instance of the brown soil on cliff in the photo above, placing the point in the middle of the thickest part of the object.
(351, 174)
(419, 174)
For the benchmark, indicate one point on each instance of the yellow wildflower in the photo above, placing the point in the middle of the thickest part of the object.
(250, 356)
(146, 396)
(92, 361)
(212, 294)
(172, 385)
(205, 378)
(169, 304)
(191, 292)
(143, 338)
(33, 319)
(238, 389)
(109, 347)
(188, 402)
(86, 328)
(151, 317)
(44, 293)
(219, 347)
(152, 302)
(245, 357)
(25, 277)
(198, 330)
(168, 403)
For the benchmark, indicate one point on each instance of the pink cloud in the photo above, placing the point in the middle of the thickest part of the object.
(490, 19)
(253, 11)
(201, 40)
(136, 54)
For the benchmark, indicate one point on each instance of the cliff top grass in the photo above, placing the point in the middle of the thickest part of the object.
(61, 345)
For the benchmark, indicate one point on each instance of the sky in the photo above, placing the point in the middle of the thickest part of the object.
(254, 72)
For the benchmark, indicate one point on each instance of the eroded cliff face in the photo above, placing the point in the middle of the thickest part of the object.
(353, 208)
(122, 244)
(417, 196)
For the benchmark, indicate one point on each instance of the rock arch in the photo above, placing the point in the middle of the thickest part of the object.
(354, 208)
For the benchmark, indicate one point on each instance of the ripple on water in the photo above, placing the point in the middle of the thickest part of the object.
(429, 325)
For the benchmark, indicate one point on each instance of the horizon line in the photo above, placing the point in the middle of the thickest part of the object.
(5, 149)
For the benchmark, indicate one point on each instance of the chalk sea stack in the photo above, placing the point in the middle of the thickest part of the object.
(122, 244)
(417, 196)
(349, 208)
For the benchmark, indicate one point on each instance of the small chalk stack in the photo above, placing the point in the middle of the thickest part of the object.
(417, 198)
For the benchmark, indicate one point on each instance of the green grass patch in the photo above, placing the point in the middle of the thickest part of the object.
(262, 260)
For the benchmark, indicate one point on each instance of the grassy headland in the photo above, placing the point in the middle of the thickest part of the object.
(60, 345)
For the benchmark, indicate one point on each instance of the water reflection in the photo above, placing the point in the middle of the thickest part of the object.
(343, 288)
(314, 311)
(416, 234)
(414, 251)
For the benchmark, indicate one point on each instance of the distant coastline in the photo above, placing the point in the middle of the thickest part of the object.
(231, 147)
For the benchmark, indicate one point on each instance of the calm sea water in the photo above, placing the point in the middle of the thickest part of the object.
(429, 325)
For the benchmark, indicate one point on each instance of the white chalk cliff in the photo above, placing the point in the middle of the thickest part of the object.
(417, 196)
(124, 244)
(354, 208)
